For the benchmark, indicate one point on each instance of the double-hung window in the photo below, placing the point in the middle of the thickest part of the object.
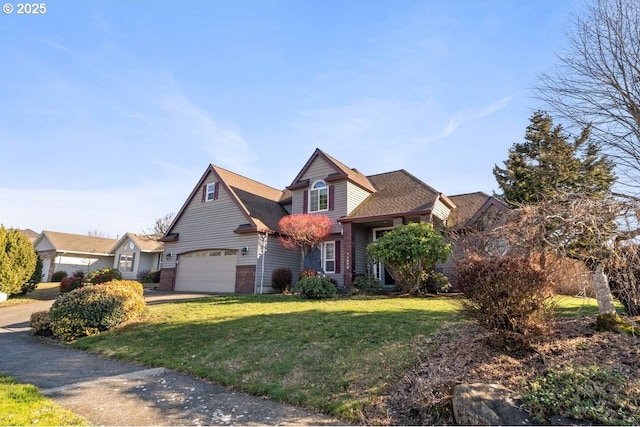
(319, 197)
(329, 257)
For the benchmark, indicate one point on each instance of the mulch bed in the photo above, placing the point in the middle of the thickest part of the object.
(469, 355)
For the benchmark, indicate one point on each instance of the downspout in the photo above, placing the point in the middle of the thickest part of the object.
(263, 250)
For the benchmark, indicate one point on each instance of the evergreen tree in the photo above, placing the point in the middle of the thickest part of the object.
(17, 260)
(548, 163)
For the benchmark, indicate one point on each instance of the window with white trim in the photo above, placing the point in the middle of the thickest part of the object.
(126, 262)
(211, 192)
(319, 197)
(329, 254)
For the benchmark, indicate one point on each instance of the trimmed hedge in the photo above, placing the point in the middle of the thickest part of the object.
(92, 309)
(70, 283)
(58, 275)
(40, 323)
(104, 275)
(132, 284)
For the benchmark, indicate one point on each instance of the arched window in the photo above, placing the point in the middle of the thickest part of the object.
(319, 197)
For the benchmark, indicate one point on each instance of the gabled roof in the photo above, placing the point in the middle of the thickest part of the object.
(31, 235)
(144, 242)
(470, 206)
(77, 243)
(397, 192)
(259, 203)
(342, 172)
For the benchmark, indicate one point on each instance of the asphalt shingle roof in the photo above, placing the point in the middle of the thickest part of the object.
(396, 192)
(259, 200)
(78, 243)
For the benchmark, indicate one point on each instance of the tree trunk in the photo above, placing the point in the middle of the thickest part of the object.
(603, 291)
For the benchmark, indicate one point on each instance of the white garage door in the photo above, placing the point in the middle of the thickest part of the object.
(207, 271)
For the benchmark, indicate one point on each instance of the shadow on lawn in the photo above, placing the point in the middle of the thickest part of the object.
(328, 359)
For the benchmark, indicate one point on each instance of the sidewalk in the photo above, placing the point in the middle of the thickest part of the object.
(112, 392)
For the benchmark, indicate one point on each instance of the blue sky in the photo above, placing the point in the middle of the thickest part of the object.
(112, 110)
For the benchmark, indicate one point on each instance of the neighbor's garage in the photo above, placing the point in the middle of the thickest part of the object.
(207, 271)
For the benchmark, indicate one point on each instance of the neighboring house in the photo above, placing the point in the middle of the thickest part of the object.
(224, 238)
(72, 252)
(474, 211)
(136, 253)
(30, 234)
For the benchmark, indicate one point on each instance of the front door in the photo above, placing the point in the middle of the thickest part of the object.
(379, 271)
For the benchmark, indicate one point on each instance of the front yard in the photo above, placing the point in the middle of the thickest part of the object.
(342, 356)
(337, 356)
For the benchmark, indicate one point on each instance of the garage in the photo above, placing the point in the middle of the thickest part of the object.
(212, 270)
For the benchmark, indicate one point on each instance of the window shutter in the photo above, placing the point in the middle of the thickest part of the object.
(133, 260)
(215, 191)
(305, 201)
(331, 196)
(337, 255)
(204, 192)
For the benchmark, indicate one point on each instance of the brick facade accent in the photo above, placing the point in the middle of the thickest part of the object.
(166, 279)
(245, 279)
(348, 249)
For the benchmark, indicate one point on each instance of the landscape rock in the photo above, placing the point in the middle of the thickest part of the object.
(3, 297)
(487, 404)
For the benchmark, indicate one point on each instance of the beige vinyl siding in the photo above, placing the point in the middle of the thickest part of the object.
(319, 169)
(355, 196)
(277, 256)
(210, 225)
(363, 236)
(148, 261)
(441, 211)
(339, 200)
(44, 245)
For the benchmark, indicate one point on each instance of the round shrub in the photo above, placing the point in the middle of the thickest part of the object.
(132, 284)
(40, 323)
(149, 276)
(68, 284)
(367, 284)
(281, 279)
(316, 287)
(104, 275)
(58, 276)
(92, 309)
(436, 282)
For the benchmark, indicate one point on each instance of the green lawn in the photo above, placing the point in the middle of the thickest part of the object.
(568, 306)
(22, 405)
(44, 292)
(336, 355)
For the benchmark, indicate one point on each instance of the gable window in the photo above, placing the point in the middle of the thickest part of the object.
(211, 192)
(126, 262)
(319, 197)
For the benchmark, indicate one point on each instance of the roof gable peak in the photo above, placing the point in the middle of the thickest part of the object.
(342, 171)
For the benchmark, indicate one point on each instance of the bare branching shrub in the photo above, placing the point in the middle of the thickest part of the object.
(624, 278)
(509, 295)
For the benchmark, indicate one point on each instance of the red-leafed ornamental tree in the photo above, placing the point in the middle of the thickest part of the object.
(304, 231)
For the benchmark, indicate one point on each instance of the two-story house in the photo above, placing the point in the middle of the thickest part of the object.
(224, 238)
